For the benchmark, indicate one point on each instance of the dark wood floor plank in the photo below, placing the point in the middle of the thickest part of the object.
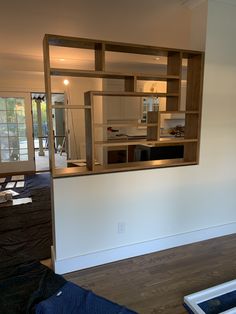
(156, 283)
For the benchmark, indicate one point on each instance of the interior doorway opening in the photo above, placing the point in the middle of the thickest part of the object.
(40, 131)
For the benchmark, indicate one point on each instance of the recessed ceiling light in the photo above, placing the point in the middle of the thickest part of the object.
(61, 59)
(66, 82)
(157, 58)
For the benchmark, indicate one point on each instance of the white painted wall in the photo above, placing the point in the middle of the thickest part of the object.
(161, 203)
(198, 25)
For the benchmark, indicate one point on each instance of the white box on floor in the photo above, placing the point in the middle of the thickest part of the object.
(194, 300)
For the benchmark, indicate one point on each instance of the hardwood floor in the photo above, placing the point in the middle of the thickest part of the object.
(157, 283)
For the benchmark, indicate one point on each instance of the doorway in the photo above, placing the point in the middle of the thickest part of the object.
(16, 142)
(40, 127)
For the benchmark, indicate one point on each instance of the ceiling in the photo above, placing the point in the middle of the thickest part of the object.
(24, 23)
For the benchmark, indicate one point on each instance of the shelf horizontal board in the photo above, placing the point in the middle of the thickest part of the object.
(111, 75)
(170, 141)
(69, 107)
(87, 73)
(70, 171)
(122, 142)
(132, 94)
(77, 42)
(156, 77)
(176, 140)
(72, 42)
(122, 125)
(145, 50)
(139, 165)
(144, 164)
(178, 112)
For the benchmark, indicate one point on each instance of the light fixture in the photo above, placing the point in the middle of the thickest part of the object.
(61, 59)
(157, 58)
(66, 82)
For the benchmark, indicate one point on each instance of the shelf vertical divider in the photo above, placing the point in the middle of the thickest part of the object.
(152, 131)
(190, 151)
(46, 54)
(158, 126)
(180, 80)
(194, 80)
(191, 125)
(193, 103)
(130, 84)
(99, 57)
(174, 63)
(89, 131)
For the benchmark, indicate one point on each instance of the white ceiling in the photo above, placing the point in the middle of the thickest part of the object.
(24, 23)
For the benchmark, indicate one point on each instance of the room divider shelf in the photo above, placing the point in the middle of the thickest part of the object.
(138, 140)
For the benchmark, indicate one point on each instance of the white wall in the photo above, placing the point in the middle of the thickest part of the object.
(198, 25)
(181, 204)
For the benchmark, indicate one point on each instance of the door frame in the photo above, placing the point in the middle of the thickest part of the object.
(21, 166)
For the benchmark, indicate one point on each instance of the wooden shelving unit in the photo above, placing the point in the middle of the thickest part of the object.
(189, 143)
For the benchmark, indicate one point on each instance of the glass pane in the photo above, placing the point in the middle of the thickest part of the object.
(5, 155)
(23, 157)
(21, 116)
(22, 129)
(3, 130)
(2, 103)
(4, 142)
(11, 103)
(3, 117)
(13, 130)
(20, 103)
(23, 142)
(24, 151)
(14, 148)
(14, 155)
(11, 117)
(13, 142)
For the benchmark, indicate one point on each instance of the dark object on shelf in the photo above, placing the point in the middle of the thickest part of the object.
(144, 153)
(116, 156)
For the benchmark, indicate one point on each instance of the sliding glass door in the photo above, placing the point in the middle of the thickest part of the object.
(16, 135)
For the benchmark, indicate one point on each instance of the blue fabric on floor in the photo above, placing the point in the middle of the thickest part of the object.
(72, 299)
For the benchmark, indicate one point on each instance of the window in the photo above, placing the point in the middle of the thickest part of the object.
(13, 139)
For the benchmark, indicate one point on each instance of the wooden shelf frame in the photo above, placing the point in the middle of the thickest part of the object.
(173, 78)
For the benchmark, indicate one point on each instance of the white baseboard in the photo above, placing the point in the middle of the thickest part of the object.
(62, 266)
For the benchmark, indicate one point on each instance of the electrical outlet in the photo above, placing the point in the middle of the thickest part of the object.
(121, 227)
